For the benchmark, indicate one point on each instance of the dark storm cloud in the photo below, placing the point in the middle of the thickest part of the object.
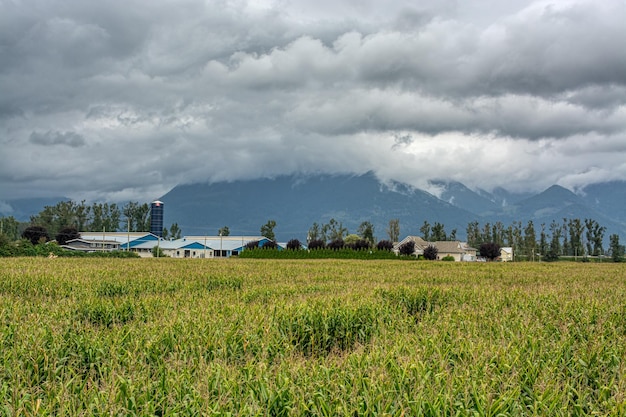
(180, 91)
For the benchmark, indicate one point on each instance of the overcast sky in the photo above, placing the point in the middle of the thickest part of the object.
(119, 100)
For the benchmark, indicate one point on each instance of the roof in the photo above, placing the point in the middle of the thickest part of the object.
(120, 237)
(450, 246)
(80, 239)
(227, 243)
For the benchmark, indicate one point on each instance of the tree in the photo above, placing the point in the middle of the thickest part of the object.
(473, 234)
(66, 234)
(267, 229)
(425, 229)
(104, 217)
(366, 231)
(223, 231)
(556, 231)
(617, 250)
(576, 229)
(530, 240)
(137, 216)
(294, 244)
(314, 232)
(36, 234)
(9, 227)
(595, 236)
(543, 241)
(407, 248)
(336, 231)
(438, 232)
(385, 245)
(490, 250)
(393, 231)
(351, 239)
(431, 252)
(175, 232)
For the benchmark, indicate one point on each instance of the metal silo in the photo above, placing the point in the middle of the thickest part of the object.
(156, 218)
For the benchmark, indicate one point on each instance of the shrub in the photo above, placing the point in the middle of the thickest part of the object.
(66, 234)
(448, 258)
(294, 244)
(336, 244)
(431, 252)
(490, 250)
(407, 248)
(252, 244)
(360, 244)
(385, 245)
(270, 245)
(36, 234)
(317, 244)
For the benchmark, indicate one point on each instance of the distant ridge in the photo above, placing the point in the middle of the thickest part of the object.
(296, 202)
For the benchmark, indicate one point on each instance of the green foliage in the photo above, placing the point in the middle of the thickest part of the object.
(10, 228)
(157, 252)
(107, 312)
(448, 258)
(167, 337)
(393, 230)
(617, 250)
(323, 253)
(224, 231)
(413, 302)
(318, 329)
(267, 230)
(366, 232)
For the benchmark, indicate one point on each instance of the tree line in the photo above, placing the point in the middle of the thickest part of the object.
(569, 237)
(67, 218)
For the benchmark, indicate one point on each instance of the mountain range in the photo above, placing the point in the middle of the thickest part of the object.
(296, 202)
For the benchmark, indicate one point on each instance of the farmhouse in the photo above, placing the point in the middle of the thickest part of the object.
(506, 254)
(460, 251)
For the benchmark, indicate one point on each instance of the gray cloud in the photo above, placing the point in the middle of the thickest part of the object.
(57, 138)
(185, 91)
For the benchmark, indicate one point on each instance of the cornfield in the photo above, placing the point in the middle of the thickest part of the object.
(252, 337)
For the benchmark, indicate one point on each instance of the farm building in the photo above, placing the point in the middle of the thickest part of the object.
(143, 243)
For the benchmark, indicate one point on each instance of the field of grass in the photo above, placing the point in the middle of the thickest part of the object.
(310, 337)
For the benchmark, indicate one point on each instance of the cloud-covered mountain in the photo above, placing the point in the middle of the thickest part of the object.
(296, 202)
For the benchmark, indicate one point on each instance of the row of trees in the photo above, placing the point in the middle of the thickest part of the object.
(69, 217)
(571, 237)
